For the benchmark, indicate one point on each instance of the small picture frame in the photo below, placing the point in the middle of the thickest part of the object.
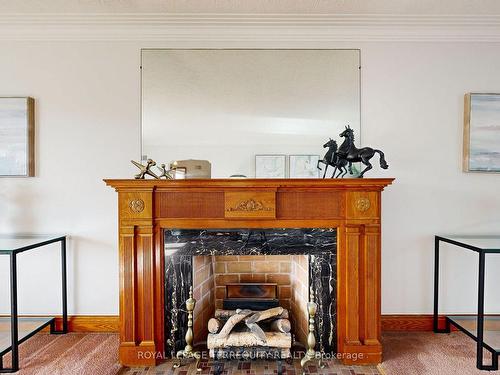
(481, 149)
(17, 137)
(303, 166)
(270, 166)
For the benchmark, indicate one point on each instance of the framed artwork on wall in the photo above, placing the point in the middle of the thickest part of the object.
(303, 166)
(481, 149)
(17, 137)
(270, 166)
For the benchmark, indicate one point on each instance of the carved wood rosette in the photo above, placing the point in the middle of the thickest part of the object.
(352, 206)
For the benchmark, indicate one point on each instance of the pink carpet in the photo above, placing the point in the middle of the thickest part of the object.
(414, 353)
(426, 353)
(73, 353)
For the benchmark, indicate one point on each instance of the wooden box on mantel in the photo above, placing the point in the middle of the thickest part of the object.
(352, 206)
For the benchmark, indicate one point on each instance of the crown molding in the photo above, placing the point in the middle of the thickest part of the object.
(250, 27)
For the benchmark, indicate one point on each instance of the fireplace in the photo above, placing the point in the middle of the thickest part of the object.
(154, 215)
(209, 260)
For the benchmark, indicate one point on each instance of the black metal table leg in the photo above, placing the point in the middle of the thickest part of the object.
(480, 312)
(436, 291)
(447, 328)
(436, 284)
(64, 291)
(480, 320)
(64, 286)
(14, 328)
(13, 307)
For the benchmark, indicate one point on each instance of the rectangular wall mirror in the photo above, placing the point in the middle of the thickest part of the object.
(229, 105)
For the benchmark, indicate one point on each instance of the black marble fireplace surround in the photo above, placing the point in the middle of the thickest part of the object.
(181, 245)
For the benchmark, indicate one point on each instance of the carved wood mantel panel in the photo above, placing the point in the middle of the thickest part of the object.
(250, 204)
(147, 206)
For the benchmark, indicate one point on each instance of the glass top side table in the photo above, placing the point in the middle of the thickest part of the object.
(485, 330)
(22, 328)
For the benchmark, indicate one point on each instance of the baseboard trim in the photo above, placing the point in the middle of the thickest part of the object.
(88, 323)
(411, 323)
(91, 323)
(111, 323)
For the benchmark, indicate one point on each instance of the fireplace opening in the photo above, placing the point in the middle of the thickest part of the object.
(250, 323)
(223, 284)
(254, 271)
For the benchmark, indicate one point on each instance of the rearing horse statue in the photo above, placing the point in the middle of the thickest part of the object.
(350, 153)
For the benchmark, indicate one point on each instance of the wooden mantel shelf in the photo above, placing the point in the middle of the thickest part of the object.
(146, 207)
(364, 183)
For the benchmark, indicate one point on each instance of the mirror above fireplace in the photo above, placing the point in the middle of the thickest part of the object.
(246, 102)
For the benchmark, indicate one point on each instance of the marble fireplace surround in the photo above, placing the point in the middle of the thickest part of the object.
(318, 244)
(147, 207)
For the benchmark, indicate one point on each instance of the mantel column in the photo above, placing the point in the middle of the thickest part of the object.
(137, 279)
(359, 280)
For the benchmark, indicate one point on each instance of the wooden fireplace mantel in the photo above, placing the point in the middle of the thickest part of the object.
(145, 207)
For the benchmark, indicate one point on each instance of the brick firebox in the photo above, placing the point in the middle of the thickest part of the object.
(211, 274)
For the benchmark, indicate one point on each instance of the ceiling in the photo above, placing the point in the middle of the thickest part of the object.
(398, 7)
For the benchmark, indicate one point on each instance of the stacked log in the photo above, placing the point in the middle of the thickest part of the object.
(248, 339)
(281, 325)
(277, 323)
(232, 321)
(223, 315)
(250, 329)
(214, 325)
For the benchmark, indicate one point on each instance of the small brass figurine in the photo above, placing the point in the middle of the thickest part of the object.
(145, 169)
(312, 308)
(166, 173)
(188, 353)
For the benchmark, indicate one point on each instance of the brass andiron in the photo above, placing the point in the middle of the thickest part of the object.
(188, 353)
(312, 308)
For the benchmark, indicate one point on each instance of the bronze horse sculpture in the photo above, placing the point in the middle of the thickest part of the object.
(351, 154)
(348, 153)
(331, 159)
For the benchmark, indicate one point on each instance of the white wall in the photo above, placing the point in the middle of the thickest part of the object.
(88, 112)
(412, 106)
(87, 104)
